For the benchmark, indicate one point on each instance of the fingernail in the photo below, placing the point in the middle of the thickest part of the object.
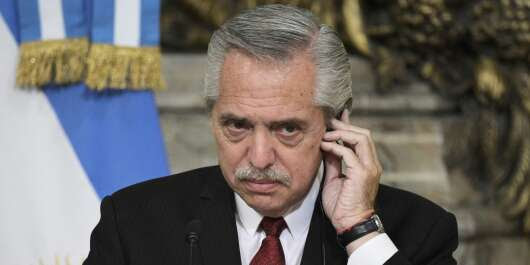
(345, 115)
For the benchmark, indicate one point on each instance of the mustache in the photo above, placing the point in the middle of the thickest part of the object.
(251, 173)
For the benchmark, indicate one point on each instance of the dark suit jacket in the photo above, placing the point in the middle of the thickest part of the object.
(146, 224)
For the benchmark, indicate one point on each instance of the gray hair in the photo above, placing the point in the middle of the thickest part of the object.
(254, 174)
(277, 33)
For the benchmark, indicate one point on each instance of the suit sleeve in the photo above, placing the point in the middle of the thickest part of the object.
(437, 247)
(105, 245)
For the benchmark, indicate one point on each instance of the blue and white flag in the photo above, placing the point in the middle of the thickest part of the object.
(124, 51)
(104, 43)
(63, 148)
(53, 41)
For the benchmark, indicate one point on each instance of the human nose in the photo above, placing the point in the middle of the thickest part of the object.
(262, 154)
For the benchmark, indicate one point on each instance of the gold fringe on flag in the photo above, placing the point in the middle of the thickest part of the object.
(118, 67)
(51, 61)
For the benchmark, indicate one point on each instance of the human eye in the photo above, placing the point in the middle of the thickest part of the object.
(289, 129)
(235, 129)
(237, 125)
(289, 133)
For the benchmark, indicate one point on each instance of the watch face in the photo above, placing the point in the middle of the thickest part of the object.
(378, 223)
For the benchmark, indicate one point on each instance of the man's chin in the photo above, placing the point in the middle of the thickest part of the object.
(268, 211)
(266, 205)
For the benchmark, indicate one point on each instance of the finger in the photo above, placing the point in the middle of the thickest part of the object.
(339, 125)
(358, 142)
(333, 167)
(350, 159)
(345, 117)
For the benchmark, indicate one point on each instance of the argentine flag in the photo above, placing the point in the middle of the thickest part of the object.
(63, 148)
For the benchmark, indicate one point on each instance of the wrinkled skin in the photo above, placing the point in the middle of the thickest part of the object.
(265, 118)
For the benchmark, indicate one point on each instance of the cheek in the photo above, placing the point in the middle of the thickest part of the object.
(303, 161)
(311, 145)
(229, 154)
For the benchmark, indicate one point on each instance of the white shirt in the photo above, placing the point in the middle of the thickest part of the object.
(374, 252)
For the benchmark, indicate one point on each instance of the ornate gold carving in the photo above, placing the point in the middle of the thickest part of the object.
(490, 86)
(353, 21)
(482, 46)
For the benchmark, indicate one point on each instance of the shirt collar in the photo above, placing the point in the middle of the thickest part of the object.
(297, 218)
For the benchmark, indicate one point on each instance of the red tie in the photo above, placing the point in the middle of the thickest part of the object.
(270, 252)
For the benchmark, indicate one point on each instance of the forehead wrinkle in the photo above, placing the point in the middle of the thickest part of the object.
(245, 75)
(277, 112)
(292, 105)
(240, 91)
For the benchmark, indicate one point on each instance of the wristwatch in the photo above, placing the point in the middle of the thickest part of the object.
(359, 230)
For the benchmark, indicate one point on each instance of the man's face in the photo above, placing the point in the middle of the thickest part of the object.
(268, 131)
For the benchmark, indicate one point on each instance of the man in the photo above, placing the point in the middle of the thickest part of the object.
(294, 185)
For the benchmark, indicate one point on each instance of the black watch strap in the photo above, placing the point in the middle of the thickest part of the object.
(360, 230)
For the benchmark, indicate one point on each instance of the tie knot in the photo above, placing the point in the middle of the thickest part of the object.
(273, 226)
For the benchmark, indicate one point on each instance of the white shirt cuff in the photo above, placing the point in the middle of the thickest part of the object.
(375, 251)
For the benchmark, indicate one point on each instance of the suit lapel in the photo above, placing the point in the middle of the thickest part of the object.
(219, 241)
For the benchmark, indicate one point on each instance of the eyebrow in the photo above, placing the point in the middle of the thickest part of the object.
(225, 117)
(231, 117)
(290, 121)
